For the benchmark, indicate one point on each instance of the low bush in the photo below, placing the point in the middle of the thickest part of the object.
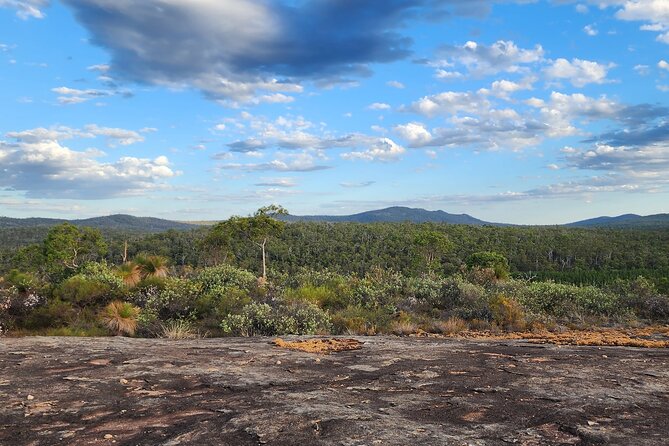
(258, 319)
(507, 314)
(120, 318)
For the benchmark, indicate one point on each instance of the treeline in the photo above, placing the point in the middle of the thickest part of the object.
(563, 254)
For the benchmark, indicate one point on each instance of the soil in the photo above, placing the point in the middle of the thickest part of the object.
(392, 391)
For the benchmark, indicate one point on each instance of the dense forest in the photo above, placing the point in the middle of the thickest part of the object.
(317, 276)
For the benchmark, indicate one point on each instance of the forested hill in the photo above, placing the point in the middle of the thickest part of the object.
(625, 221)
(119, 222)
(396, 214)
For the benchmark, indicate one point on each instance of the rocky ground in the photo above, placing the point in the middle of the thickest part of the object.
(393, 391)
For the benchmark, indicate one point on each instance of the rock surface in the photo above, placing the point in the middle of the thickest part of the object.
(394, 391)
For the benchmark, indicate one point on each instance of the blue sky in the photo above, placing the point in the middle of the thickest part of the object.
(524, 112)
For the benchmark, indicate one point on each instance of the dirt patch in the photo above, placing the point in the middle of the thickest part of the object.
(319, 345)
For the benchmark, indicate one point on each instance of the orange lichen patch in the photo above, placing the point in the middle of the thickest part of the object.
(601, 338)
(324, 346)
(648, 337)
(472, 417)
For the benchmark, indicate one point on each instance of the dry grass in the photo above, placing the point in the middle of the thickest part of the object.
(451, 326)
(403, 328)
(177, 330)
(325, 346)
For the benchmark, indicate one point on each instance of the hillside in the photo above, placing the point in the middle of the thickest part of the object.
(396, 214)
(625, 221)
(119, 222)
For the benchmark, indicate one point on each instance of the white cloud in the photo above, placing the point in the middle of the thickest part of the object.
(379, 106)
(396, 84)
(579, 72)
(113, 136)
(479, 59)
(46, 169)
(504, 88)
(383, 149)
(643, 70)
(301, 162)
(590, 30)
(663, 64)
(447, 75)
(449, 103)
(26, 9)
(415, 133)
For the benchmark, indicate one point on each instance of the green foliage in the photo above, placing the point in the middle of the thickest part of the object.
(378, 289)
(258, 319)
(490, 260)
(361, 321)
(55, 313)
(23, 282)
(67, 247)
(224, 276)
(175, 299)
(321, 296)
(430, 246)
(84, 291)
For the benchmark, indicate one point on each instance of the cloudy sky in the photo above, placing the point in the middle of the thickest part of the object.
(535, 112)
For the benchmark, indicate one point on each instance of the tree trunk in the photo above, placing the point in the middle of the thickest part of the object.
(264, 260)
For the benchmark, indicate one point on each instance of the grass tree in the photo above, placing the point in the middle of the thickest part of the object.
(120, 318)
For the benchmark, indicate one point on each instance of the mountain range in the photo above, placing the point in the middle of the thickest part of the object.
(394, 214)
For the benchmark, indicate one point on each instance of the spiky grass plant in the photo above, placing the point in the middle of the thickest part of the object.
(121, 318)
(131, 273)
(152, 266)
(177, 329)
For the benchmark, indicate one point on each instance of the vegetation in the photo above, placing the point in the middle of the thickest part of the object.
(329, 278)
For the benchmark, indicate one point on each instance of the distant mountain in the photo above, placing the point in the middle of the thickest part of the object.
(396, 214)
(119, 222)
(625, 221)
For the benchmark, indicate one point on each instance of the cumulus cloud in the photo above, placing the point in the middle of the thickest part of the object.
(379, 106)
(383, 149)
(480, 59)
(396, 84)
(302, 162)
(113, 136)
(201, 43)
(26, 9)
(449, 103)
(47, 169)
(579, 72)
(590, 30)
(67, 95)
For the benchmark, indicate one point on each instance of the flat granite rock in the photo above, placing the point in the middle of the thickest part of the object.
(394, 391)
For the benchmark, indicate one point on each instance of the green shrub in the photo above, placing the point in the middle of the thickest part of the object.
(489, 260)
(323, 296)
(103, 273)
(379, 289)
(222, 301)
(177, 299)
(362, 321)
(225, 276)
(258, 319)
(84, 291)
(54, 314)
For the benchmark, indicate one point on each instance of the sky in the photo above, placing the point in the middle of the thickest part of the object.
(526, 112)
